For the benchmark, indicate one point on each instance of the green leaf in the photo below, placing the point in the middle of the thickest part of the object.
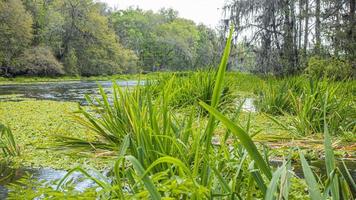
(313, 186)
(244, 138)
(329, 156)
(146, 180)
(273, 185)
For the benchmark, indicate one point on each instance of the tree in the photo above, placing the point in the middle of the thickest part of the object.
(87, 33)
(39, 61)
(275, 31)
(71, 63)
(207, 50)
(15, 34)
(163, 41)
(317, 28)
(178, 40)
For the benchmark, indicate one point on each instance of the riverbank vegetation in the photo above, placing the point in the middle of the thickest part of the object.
(156, 147)
(183, 125)
(85, 38)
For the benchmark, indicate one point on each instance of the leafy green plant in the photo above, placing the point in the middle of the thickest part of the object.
(303, 98)
(275, 98)
(162, 156)
(336, 185)
(7, 142)
(309, 105)
(333, 68)
(159, 157)
(193, 87)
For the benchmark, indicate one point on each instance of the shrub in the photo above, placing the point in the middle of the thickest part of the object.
(333, 68)
(39, 61)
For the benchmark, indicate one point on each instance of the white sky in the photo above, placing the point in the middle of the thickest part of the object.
(207, 12)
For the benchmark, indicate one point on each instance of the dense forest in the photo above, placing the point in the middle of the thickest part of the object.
(88, 38)
(287, 36)
(83, 37)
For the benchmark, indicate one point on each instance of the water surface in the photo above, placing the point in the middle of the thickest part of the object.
(60, 91)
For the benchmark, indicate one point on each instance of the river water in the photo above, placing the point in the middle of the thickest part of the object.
(59, 91)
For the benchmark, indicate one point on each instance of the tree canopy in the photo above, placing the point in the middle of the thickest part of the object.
(284, 34)
(87, 38)
(163, 41)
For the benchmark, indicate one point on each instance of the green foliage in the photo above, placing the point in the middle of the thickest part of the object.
(39, 61)
(78, 32)
(303, 98)
(164, 41)
(71, 63)
(309, 105)
(333, 68)
(15, 34)
(35, 125)
(335, 187)
(87, 32)
(193, 87)
(161, 154)
(179, 173)
(275, 98)
(8, 144)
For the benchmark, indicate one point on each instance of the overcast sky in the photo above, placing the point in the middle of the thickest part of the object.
(200, 11)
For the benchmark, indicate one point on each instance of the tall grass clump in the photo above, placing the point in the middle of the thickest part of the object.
(274, 97)
(303, 98)
(192, 87)
(337, 185)
(340, 108)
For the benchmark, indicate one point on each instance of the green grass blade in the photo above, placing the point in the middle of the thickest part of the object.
(146, 180)
(273, 185)
(222, 181)
(313, 186)
(244, 138)
(218, 86)
(329, 156)
(171, 160)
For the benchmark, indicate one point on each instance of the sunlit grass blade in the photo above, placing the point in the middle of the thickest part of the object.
(244, 138)
(219, 81)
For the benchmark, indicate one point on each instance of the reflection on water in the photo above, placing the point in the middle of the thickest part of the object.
(47, 175)
(60, 91)
(249, 105)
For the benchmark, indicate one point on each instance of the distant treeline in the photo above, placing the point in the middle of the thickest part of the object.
(285, 37)
(83, 37)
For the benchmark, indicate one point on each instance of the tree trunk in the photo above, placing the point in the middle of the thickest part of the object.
(306, 29)
(317, 28)
(300, 16)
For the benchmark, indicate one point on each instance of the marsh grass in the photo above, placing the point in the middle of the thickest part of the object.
(188, 89)
(303, 98)
(160, 155)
